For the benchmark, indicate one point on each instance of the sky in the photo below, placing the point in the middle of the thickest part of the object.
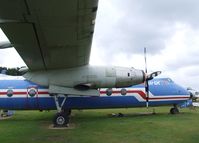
(169, 30)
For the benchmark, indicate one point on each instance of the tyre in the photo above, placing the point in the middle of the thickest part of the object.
(174, 111)
(60, 120)
(120, 115)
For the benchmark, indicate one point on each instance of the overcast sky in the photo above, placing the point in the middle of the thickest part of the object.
(169, 29)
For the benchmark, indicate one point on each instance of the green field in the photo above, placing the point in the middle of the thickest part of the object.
(97, 126)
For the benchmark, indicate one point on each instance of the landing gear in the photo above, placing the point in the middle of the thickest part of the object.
(61, 119)
(174, 110)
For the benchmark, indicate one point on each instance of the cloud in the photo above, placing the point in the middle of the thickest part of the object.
(169, 29)
(182, 48)
(2, 36)
(9, 57)
(132, 25)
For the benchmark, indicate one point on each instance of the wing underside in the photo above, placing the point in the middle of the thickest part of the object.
(50, 34)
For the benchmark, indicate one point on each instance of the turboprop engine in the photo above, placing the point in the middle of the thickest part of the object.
(88, 77)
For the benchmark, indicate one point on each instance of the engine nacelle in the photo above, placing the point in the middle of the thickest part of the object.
(88, 77)
(128, 77)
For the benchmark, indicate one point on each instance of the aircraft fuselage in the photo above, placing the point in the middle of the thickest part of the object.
(22, 94)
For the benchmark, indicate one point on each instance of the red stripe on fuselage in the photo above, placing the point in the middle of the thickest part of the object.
(23, 93)
(141, 93)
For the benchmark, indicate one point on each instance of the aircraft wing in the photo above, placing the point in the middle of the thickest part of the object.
(50, 34)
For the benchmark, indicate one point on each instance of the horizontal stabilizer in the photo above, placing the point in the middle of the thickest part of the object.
(4, 45)
(53, 89)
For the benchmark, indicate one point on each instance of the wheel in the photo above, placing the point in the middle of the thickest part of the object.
(60, 120)
(174, 111)
(120, 115)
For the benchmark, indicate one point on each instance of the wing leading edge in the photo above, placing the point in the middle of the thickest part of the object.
(50, 34)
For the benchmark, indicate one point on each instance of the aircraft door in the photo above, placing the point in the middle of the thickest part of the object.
(32, 101)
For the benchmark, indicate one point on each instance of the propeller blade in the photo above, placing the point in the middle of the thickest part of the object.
(147, 93)
(145, 59)
(146, 81)
(148, 77)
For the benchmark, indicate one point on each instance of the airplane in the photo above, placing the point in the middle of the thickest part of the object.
(54, 39)
(17, 93)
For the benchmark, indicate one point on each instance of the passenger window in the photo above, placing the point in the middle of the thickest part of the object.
(9, 92)
(32, 91)
(109, 91)
(123, 91)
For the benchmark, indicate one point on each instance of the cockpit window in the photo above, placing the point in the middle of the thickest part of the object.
(169, 80)
(189, 88)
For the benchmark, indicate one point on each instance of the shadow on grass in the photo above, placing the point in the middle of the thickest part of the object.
(81, 117)
(92, 116)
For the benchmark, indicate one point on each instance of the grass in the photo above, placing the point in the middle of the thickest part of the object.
(96, 126)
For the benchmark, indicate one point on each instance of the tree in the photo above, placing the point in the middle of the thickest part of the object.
(11, 71)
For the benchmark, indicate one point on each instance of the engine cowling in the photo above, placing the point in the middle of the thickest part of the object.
(128, 77)
(91, 77)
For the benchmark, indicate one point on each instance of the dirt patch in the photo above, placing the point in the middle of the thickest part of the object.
(70, 126)
(4, 118)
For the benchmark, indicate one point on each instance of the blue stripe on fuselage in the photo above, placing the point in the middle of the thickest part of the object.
(79, 103)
